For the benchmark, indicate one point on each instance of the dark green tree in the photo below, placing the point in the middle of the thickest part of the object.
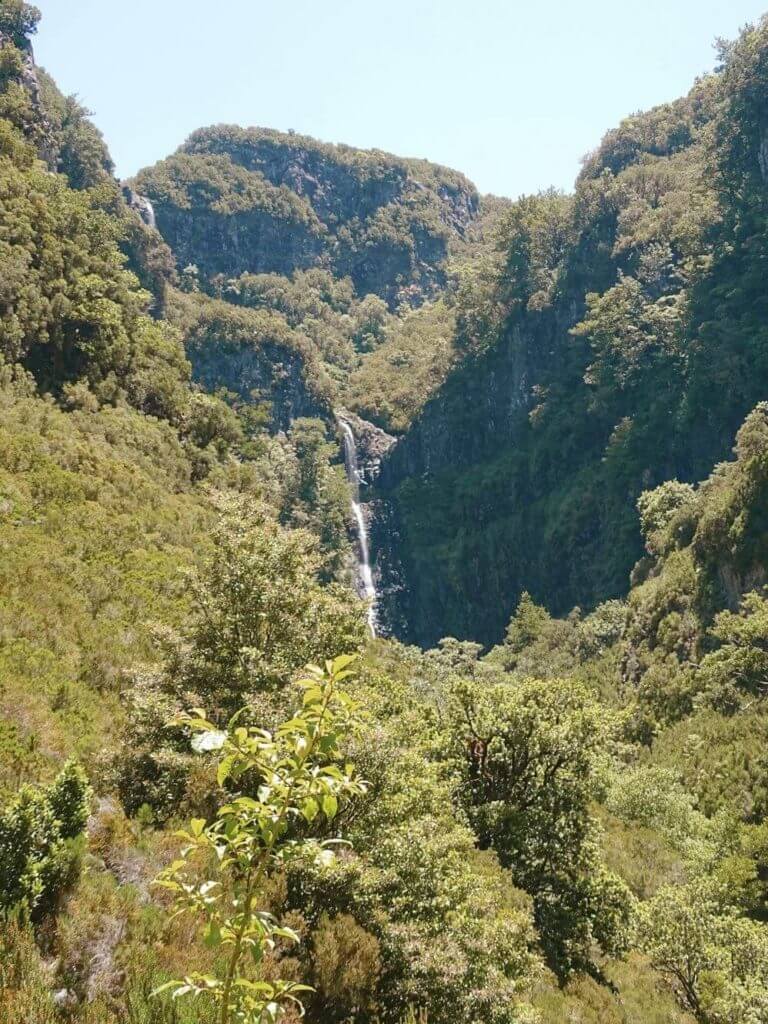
(528, 754)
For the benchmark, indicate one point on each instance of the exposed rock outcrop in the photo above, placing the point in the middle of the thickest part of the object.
(236, 200)
(268, 373)
(372, 442)
(141, 205)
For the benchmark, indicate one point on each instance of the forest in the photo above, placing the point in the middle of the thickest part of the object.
(537, 790)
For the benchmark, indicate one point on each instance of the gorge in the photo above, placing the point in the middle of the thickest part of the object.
(524, 436)
(383, 573)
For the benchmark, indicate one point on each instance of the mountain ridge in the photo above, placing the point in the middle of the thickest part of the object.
(565, 809)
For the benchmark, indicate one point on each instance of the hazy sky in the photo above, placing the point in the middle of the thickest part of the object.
(512, 93)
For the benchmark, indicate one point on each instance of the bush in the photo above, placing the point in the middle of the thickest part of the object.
(346, 966)
(37, 854)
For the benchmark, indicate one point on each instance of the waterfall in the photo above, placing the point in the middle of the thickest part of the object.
(141, 205)
(149, 212)
(367, 588)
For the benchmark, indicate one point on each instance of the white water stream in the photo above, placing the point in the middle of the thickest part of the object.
(367, 588)
(150, 212)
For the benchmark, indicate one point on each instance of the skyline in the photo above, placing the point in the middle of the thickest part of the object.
(513, 96)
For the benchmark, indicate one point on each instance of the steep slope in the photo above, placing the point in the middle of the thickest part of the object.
(252, 200)
(110, 459)
(615, 340)
(252, 357)
(329, 245)
(571, 826)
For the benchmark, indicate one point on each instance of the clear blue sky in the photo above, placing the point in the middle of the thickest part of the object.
(512, 93)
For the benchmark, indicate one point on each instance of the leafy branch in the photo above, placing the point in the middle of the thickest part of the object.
(300, 776)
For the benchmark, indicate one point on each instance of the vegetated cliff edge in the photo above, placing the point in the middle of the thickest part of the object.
(252, 200)
(299, 258)
(618, 341)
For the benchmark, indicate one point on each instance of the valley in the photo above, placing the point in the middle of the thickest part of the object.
(383, 567)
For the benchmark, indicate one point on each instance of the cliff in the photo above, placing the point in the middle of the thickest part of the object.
(251, 200)
(252, 356)
(619, 343)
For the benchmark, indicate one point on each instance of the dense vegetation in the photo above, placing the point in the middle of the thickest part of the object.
(236, 200)
(218, 794)
(340, 245)
(614, 340)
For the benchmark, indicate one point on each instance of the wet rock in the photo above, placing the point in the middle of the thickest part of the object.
(141, 205)
(372, 445)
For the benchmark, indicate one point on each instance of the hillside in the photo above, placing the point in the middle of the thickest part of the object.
(616, 341)
(238, 201)
(337, 244)
(221, 798)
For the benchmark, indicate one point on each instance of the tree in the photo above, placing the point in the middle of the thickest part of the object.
(299, 777)
(18, 21)
(260, 614)
(526, 625)
(309, 438)
(209, 420)
(658, 509)
(739, 665)
(716, 960)
(317, 496)
(371, 316)
(73, 312)
(528, 756)
(636, 350)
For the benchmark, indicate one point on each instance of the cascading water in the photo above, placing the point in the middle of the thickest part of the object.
(141, 205)
(149, 213)
(367, 588)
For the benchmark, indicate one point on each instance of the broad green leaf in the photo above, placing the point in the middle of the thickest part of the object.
(310, 808)
(212, 935)
(256, 986)
(342, 661)
(225, 768)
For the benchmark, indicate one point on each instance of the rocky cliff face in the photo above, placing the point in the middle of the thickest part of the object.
(270, 373)
(452, 532)
(253, 241)
(570, 400)
(35, 121)
(373, 444)
(253, 355)
(331, 179)
(227, 220)
(237, 200)
(481, 408)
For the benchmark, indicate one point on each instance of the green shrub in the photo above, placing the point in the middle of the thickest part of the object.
(37, 855)
(528, 754)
